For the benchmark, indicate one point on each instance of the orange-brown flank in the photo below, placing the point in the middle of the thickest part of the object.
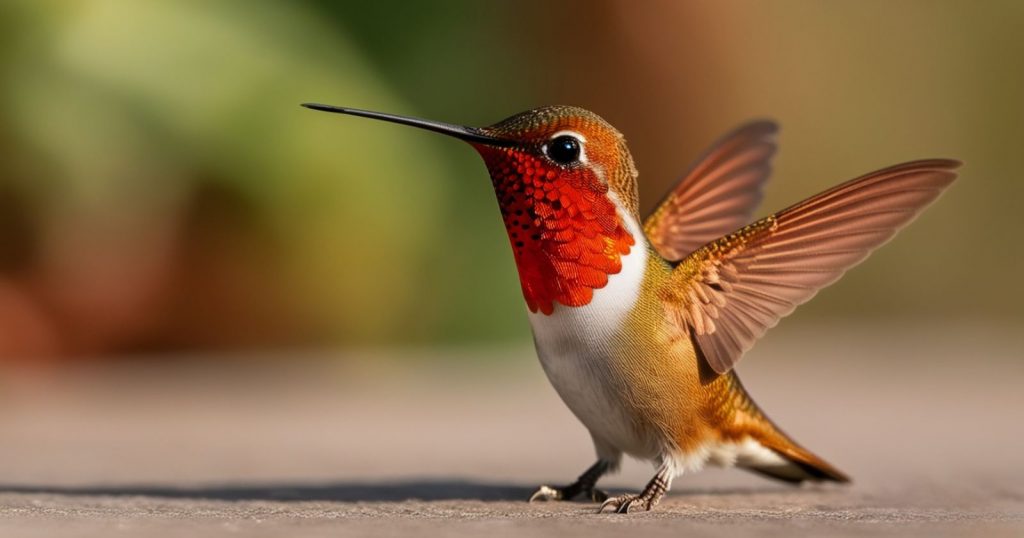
(565, 232)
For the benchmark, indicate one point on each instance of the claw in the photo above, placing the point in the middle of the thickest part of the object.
(583, 485)
(623, 504)
(547, 493)
(646, 500)
(614, 503)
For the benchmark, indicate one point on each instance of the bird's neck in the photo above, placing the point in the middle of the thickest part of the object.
(566, 244)
(569, 230)
(611, 309)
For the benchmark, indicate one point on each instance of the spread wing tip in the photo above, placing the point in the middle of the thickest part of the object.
(733, 290)
(718, 194)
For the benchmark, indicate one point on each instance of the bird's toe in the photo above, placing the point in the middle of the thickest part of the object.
(624, 504)
(547, 493)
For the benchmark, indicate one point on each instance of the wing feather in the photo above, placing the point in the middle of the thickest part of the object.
(718, 195)
(730, 291)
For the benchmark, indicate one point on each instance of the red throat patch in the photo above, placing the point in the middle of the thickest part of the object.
(565, 232)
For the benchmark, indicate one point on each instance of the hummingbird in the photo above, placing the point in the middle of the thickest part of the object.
(639, 322)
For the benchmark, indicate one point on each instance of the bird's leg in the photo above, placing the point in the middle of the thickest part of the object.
(646, 500)
(584, 484)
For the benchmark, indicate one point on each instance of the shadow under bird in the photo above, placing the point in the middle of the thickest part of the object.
(638, 323)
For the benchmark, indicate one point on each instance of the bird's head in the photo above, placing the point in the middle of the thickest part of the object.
(567, 190)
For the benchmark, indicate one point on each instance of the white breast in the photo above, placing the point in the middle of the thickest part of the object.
(574, 346)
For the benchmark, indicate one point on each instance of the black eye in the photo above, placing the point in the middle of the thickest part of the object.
(564, 149)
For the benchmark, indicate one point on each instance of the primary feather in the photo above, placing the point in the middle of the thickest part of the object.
(717, 195)
(729, 292)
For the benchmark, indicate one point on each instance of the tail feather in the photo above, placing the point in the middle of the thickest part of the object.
(796, 464)
(800, 464)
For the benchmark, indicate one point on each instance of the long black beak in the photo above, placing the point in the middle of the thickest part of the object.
(469, 134)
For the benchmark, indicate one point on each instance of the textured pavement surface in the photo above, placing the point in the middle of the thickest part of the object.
(927, 420)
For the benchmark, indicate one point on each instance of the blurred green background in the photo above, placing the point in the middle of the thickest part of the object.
(161, 190)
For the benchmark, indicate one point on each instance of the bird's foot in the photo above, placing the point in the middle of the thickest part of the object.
(624, 504)
(568, 493)
(584, 484)
(645, 500)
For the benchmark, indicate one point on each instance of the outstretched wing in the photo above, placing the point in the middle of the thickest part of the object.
(718, 195)
(729, 292)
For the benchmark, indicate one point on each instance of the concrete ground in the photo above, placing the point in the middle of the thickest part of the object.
(927, 420)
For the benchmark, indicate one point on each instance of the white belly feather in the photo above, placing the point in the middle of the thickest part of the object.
(574, 344)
